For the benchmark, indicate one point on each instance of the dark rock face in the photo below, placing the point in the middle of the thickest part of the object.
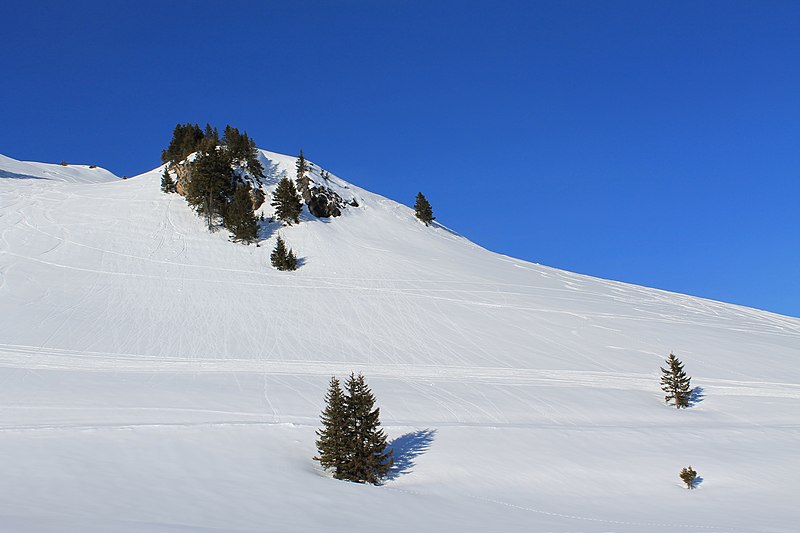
(322, 202)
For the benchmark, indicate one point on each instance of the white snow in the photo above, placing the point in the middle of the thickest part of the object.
(11, 168)
(156, 377)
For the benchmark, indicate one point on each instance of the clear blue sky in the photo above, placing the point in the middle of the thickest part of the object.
(655, 143)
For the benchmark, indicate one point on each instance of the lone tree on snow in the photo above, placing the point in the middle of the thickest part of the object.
(689, 476)
(351, 442)
(283, 258)
(287, 202)
(423, 210)
(675, 383)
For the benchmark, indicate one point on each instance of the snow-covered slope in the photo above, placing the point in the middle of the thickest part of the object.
(11, 168)
(160, 378)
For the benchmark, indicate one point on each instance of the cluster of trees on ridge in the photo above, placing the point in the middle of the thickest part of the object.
(214, 190)
(217, 191)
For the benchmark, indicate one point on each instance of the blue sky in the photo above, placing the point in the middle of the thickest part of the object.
(655, 143)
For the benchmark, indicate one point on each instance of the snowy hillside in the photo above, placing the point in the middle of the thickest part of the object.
(11, 168)
(157, 377)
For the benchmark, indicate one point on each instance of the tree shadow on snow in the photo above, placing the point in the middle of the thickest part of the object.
(266, 229)
(407, 448)
(697, 396)
(12, 175)
(271, 174)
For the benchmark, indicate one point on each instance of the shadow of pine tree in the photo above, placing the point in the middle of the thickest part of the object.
(407, 448)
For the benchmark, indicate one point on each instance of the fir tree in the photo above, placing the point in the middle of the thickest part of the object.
(675, 383)
(301, 167)
(689, 476)
(286, 202)
(242, 151)
(211, 187)
(332, 442)
(239, 216)
(167, 183)
(186, 139)
(423, 210)
(368, 460)
(283, 258)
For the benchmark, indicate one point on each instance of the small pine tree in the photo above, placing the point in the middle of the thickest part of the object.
(301, 167)
(287, 202)
(239, 216)
(675, 383)
(167, 183)
(368, 460)
(332, 442)
(283, 258)
(423, 210)
(689, 476)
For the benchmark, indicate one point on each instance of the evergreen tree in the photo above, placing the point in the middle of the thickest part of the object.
(423, 210)
(211, 185)
(301, 167)
(283, 258)
(242, 150)
(239, 216)
(167, 183)
(287, 203)
(211, 134)
(368, 461)
(689, 476)
(186, 139)
(675, 383)
(332, 442)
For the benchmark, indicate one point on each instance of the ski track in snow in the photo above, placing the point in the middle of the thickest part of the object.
(38, 358)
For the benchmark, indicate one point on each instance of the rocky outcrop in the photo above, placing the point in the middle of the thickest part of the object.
(258, 197)
(182, 181)
(322, 201)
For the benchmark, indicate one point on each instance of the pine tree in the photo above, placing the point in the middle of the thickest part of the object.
(301, 167)
(283, 258)
(332, 442)
(675, 383)
(167, 183)
(186, 139)
(239, 216)
(287, 203)
(423, 210)
(368, 460)
(242, 151)
(689, 476)
(210, 188)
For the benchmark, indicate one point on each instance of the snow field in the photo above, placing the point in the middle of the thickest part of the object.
(156, 377)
